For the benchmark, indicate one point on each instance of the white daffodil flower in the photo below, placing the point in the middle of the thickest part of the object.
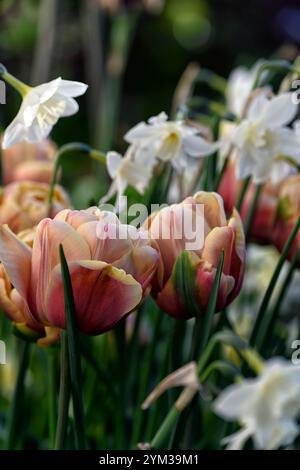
(239, 86)
(263, 139)
(125, 171)
(168, 141)
(41, 108)
(266, 407)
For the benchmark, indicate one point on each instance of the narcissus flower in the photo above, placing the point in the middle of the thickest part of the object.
(201, 239)
(266, 407)
(23, 205)
(169, 141)
(31, 162)
(239, 87)
(264, 140)
(287, 214)
(41, 108)
(127, 171)
(109, 274)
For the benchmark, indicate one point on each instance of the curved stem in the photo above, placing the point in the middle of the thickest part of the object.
(19, 86)
(15, 410)
(64, 395)
(65, 149)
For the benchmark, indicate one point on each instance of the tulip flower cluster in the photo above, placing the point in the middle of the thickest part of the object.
(69, 275)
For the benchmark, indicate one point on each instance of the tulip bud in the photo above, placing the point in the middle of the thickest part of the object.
(264, 219)
(25, 204)
(186, 274)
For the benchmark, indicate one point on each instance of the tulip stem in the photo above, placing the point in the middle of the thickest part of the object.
(18, 397)
(253, 207)
(62, 152)
(52, 390)
(138, 420)
(64, 395)
(272, 284)
(242, 194)
(121, 415)
(270, 317)
(74, 354)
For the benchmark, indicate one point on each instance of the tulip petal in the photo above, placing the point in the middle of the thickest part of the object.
(220, 238)
(213, 208)
(45, 256)
(108, 295)
(205, 279)
(141, 263)
(238, 256)
(16, 258)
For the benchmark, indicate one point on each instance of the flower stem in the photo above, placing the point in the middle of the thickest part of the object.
(52, 392)
(270, 317)
(15, 410)
(19, 86)
(64, 395)
(272, 284)
(62, 152)
(243, 193)
(253, 207)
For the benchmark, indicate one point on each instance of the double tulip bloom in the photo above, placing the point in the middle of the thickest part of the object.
(29, 162)
(109, 274)
(24, 204)
(205, 211)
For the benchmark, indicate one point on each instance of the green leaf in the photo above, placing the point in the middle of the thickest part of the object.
(268, 294)
(184, 279)
(74, 353)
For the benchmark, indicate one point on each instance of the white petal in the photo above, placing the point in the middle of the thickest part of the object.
(72, 89)
(139, 132)
(113, 163)
(237, 440)
(236, 400)
(257, 107)
(279, 111)
(13, 134)
(275, 434)
(159, 119)
(196, 146)
(289, 143)
(47, 90)
(71, 107)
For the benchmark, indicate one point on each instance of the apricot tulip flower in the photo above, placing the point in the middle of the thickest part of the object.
(218, 234)
(109, 275)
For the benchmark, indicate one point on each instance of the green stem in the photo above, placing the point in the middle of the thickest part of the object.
(138, 421)
(74, 354)
(19, 86)
(252, 211)
(18, 397)
(121, 407)
(65, 149)
(52, 392)
(270, 316)
(278, 65)
(64, 395)
(272, 284)
(166, 429)
(221, 174)
(243, 192)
